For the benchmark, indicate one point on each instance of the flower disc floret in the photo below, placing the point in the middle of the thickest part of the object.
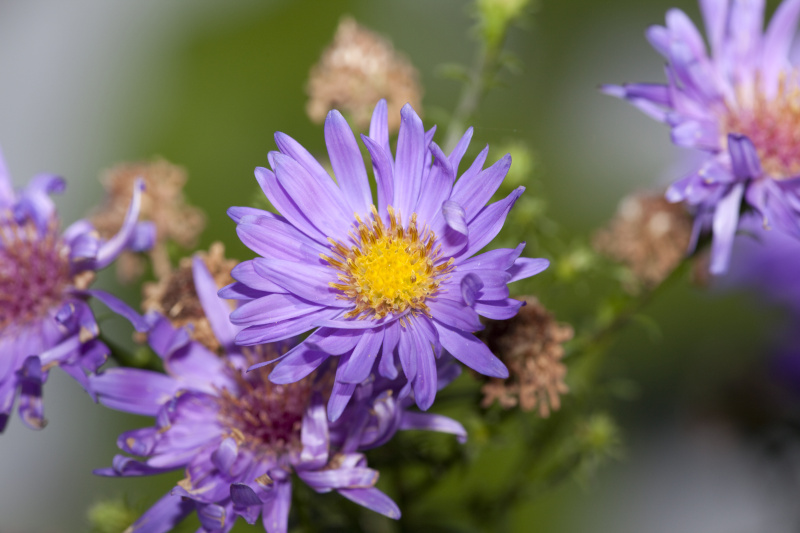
(34, 272)
(389, 269)
(771, 123)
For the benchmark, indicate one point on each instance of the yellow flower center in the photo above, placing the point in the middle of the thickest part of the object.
(388, 269)
(773, 125)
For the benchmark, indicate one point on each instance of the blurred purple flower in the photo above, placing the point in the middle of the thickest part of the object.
(45, 320)
(240, 436)
(741, 105)
(377, 284)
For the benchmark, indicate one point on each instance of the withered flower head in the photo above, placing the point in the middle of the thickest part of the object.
(356, 70)
(174, 295)
(163, 203)
(648, 234)
(531, 345)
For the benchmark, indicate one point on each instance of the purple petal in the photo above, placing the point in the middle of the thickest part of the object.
(470, 351)
(331, 217)
(31, 379)
(488, 223)
(498, 310)
(246, 273)
(132, 390)
(373, 499)
(340, 396)
(384, 175)
(472, 192)
(362, 360)
(460, 149)
(314, 436)
(715, 16)
(470, 285)
(212, 516)
(726, 220)
(309, 282)
(7, 196)
(261, 334)
(119, 307)
(224, 456)
(409, 162)
(271, 309)
(525, 267)
(244, 496)
(406, 351)
(777, 43)
(277, 239)
(275, 514)
(237, 214)
(455, 216)
(216, 309)
(379, 126)
(347, 163)
(455, 314)
(163, 516)
(437, 186)
(114, 246)
(744, 157)
(340, 478)
(300, 362)
(433, 422)
(425, 382)
(286, 205)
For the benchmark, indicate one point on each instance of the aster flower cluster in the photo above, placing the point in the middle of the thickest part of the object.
(739, 105)
(45, 280)
(372, 302)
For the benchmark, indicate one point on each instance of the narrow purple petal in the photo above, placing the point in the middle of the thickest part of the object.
(340, 395)
(277, 239)
(455, 216)
(246, 273)
(141, 392)
(379, 126)
(525, 267)
(470, 351)
(347, 163)
(715, 16)
(460, 149)
(212, 516)
(302, 361)
(744, 157)
(120, 308)
(373, 499)
(163, 516)
(237, 214)
(405, 350)
(455, 314)
(409, 162)
(306, 281)
(776, 44)
(271, 309)
(224, 456)
(114, 246)
(244, 496)
(470, 285)
(275, 514)
(314, 436)
(331, 217)
(498, 310)
(384, 175)
(425, 383)
(216, 309)
(31, 378)
(433, 422)
(340, 478)
(472, 192)
(285, 329)
(726, 220)
(283, 202)
(362, 360)
(488, 223)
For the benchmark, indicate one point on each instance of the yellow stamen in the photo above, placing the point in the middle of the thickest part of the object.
(388, 270)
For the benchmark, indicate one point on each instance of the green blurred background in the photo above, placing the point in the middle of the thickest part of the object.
(205, 84)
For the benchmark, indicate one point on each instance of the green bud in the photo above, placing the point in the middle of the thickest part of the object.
(111, 516)
(495, 16)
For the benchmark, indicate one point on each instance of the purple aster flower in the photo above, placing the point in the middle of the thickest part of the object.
(400, 281)
(239, 436)
(45, 274)
(741, 104)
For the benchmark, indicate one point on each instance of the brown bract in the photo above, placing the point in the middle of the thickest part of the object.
(163, 203)
(531, 346)
(175, 297)
(648, 234)
(356, 70)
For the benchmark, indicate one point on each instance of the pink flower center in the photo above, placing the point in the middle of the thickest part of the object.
(262, 415)
(773, 125)
(34, 271)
